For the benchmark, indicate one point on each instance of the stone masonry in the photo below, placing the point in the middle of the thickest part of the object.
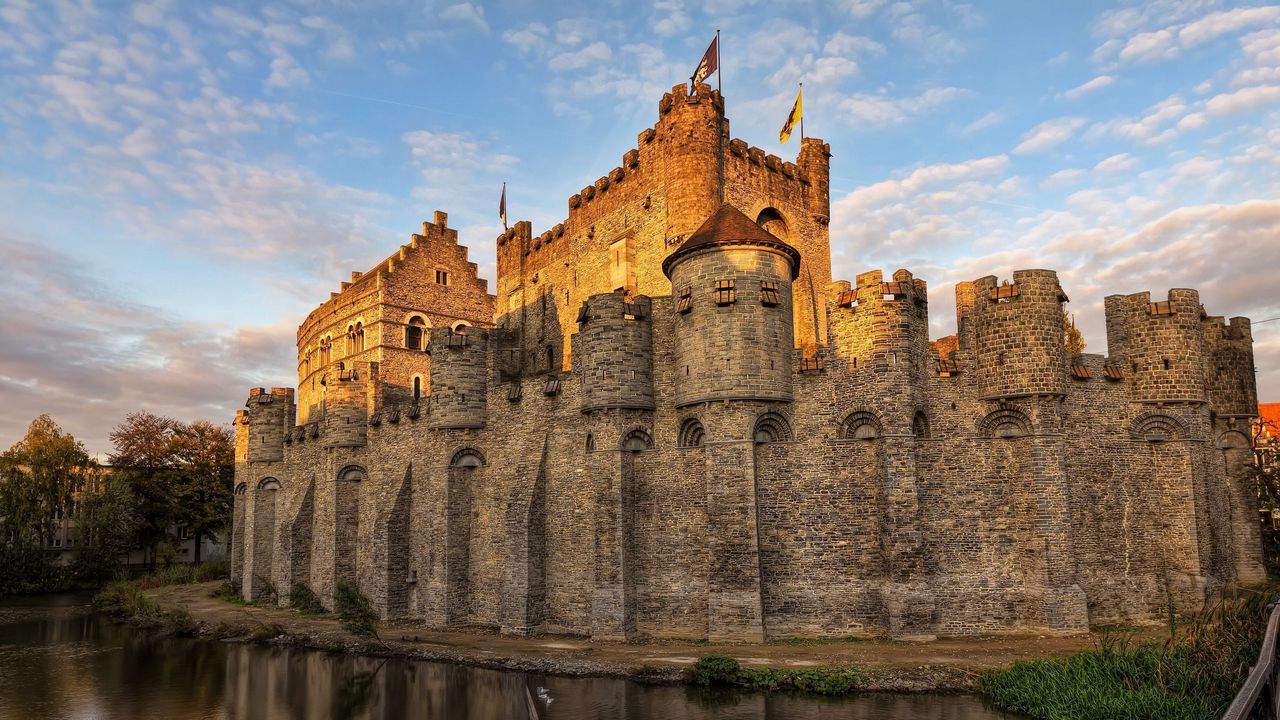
(671, 423)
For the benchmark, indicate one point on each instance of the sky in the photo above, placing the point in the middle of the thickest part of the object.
(181, 183)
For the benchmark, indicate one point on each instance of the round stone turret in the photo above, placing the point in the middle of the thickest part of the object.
(1017, 329)
(731, 288)
(1161, 342)
(459, 378)
(613, 352)
(346, 403)
(270, 417)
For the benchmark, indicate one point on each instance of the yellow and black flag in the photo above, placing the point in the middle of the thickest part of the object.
(795, 118)
(710, 62)
(502, 207)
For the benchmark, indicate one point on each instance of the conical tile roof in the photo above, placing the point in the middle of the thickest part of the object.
(728, 226)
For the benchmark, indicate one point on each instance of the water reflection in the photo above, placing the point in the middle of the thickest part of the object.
(59, 661)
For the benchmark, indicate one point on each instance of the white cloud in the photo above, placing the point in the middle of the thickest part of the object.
(590, 55)
(466, 13)
(529, 37)
(1171, 40)
(1097, 83)
(1048, 135)
(1063, 178)
(1116, 164)
(1246, 100)
(989, 120)
(671, 18)
(882, 110)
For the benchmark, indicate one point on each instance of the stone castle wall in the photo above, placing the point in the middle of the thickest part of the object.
(628, 465)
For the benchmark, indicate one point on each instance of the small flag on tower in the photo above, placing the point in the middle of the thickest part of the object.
(796, 117)
(710, 62)
(502, 207)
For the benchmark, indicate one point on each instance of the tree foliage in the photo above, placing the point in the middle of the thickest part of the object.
(39, 476)
(1072, 338)
(106, 523)
(179, 474)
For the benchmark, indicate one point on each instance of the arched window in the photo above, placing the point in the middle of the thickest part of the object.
(460, 327)
(1005, 422)
(417, 388)
(325, 346)
(351, 339)
(359, 336)
(468, 458)
(771, 427)
(591, 442)
(772, 221)
(242, 488)
(415, 333)
(551, 358)
(269, 484)
(1157, 427)
(352, 473)
(920, 425)
(692, 433)
(860, 425)
(637, 441)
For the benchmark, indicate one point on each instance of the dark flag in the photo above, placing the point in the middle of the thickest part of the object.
(502, 207)
(710, 62)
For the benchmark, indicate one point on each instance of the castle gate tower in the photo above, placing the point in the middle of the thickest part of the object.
(731, 285)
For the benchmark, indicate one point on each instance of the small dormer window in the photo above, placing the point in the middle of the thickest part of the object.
(685, 302)
(725, 292)
(769, 293)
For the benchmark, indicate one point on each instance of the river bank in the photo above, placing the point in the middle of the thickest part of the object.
(946, 665)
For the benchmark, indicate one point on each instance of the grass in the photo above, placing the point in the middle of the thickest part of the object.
(722, 670)
(1192, 676)
(128, 601)
(828, 640)
(303, 599)
(354, 610)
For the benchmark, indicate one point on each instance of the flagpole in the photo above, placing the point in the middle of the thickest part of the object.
(720, 127)
(802, 115)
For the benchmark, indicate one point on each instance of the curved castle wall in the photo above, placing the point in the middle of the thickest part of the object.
(1017, 328)
(740, 350)
(1161, 343)
(459, 378)
(613, 352)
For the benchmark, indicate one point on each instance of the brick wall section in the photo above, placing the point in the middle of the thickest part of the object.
(1232, 380)
(896, 496)
(382, 300)
(737, 351)
(1164, 353)
(614, 353)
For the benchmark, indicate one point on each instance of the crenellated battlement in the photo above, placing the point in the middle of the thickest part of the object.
(1231, 375)
(681, 427)
(1161, 342)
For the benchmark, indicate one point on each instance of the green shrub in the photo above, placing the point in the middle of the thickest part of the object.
(303, 599)
(267, 593)
(212, 570)
(127, 600)
(172, 575)
(1194, 675)
(354, 610)
(723, 670)
(227, 590)
(30, 569)
(177, 621)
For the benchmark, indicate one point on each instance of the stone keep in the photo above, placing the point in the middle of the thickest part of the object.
(671, 423)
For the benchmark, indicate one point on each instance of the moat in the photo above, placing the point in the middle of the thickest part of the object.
(58, 659)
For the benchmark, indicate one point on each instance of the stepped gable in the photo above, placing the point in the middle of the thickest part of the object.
(728, 226)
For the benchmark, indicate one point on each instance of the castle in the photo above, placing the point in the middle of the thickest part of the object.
(671, 422)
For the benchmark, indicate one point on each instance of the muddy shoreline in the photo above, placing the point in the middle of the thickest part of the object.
(942, 666)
